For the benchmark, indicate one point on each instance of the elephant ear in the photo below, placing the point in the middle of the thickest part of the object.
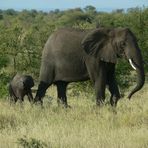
(28, 81)
(99, 44)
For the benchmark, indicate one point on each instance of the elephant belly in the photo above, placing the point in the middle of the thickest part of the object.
(71, 71)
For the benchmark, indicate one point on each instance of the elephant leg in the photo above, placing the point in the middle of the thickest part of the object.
(30, 97)
(61, 93)
(100, 91)
(97, 74)
(113, 87)
(114, 91)
(41, 92)
(21, 98)
(100, 84)
(13, 99)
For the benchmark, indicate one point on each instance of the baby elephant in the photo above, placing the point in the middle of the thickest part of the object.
(19, 86)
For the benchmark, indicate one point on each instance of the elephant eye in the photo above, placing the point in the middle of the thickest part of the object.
(122, 44)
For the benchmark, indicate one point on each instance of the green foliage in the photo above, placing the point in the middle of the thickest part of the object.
(72, 17)
(31, 143)
(4, 60)
(123, 74)
(23, 35)
(4, 79)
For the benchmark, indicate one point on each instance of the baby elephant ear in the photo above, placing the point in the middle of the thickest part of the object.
(28, 81)
(99, 44)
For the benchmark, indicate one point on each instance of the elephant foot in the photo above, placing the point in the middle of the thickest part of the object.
(38, 102)
(68, 106)
(100, 102)
(114, 100)
(63, 104)
(113, 103)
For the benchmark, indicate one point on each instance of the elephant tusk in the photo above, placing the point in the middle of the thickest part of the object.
(131, 63)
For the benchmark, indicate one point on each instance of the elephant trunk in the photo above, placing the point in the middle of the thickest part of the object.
(140, 77)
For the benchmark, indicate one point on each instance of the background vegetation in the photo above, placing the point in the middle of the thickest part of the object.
(23, 35)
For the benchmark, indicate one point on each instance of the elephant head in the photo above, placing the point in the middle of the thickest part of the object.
(23, 81)
(109, 44)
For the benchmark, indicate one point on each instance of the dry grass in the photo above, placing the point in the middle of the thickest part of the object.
(82, 126)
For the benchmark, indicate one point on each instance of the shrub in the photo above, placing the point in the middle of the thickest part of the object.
(31, 143)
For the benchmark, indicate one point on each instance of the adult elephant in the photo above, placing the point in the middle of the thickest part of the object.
(72, 55)
(19, 86)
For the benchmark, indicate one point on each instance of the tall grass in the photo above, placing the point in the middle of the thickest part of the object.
(82, 126)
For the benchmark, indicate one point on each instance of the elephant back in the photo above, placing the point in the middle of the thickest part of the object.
(17, 81)
(22, 81)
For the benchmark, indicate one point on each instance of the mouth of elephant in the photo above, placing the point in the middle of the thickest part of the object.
(121, 54)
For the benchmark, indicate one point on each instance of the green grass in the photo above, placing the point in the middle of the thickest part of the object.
(82, 126)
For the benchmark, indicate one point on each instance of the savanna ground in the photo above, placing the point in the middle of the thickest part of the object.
(84, 125)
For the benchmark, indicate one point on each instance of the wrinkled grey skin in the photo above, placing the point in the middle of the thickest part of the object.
(20, 86)
(72, 55)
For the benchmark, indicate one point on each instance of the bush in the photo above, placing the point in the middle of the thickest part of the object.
(24, 35)
(31, 143)
(4, 79)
